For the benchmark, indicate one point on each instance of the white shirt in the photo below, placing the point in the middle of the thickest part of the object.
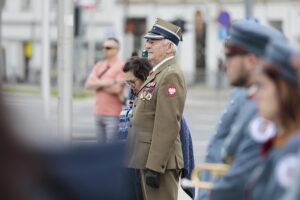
(162, 62)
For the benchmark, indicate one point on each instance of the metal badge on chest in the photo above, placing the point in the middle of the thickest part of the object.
(147, 92)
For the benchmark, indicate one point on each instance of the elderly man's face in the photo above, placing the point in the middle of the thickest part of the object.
(157, 50)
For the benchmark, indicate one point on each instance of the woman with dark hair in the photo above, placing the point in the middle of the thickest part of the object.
(277, 98)
(136, 72)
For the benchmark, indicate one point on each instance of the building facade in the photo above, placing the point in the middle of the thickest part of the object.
(205, 23)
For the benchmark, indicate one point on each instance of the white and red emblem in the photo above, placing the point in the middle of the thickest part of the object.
(286, 169)
(262, 129)
(171, 90)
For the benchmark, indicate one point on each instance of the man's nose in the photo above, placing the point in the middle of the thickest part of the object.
(147, 45)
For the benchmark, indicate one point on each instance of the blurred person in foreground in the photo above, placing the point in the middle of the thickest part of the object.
(28, 172)
(277, 97)
(107, 80)
(18, 169)
(240, 150)
(154, 146)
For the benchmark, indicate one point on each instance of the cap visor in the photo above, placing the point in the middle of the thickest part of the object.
(153, 36)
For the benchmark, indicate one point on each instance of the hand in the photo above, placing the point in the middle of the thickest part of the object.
(152, 178)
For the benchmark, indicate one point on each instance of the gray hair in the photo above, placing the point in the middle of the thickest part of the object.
(174, 47)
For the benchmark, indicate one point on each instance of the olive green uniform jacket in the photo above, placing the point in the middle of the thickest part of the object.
(153, 136)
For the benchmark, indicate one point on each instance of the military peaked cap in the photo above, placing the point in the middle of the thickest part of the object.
(165, 30)
(252, 36)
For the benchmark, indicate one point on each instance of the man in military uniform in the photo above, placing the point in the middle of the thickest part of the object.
(244, 49)
(153, 138)
(213, 152)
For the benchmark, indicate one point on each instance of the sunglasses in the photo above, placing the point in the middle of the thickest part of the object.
(108, 48)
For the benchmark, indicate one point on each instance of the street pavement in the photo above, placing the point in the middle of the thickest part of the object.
(203, 108)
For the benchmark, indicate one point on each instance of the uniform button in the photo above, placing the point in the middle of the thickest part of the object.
(134, 105)
(162, 166)
(130, 125)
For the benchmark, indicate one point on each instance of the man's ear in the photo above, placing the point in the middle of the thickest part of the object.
(169, 47)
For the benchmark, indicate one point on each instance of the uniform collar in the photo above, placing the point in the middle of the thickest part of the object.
(162, 66)
(162, 62)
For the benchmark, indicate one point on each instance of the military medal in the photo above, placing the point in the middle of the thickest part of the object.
(142, 96)
(147, 91)
(151, 84)
(148, 96)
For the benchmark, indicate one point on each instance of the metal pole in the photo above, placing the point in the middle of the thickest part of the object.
(92, 28)
(65, 64)
(249, 8)
(45, 78)
(77, 51)
(2, 2)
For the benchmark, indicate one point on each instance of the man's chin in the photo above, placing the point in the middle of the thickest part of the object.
(151, 60)
(150, 57)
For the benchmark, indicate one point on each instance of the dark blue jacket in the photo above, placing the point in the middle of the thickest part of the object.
(188, 154)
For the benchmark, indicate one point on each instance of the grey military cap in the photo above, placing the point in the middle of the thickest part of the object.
(163, 29)
(280, 54)
(252, 36)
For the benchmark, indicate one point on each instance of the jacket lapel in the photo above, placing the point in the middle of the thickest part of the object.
(153, 75)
